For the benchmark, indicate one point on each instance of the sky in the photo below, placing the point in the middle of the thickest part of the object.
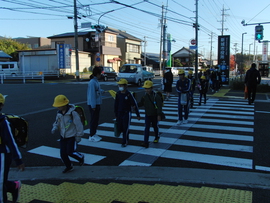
(141, 18)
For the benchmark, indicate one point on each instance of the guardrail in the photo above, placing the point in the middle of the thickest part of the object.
(26, 76)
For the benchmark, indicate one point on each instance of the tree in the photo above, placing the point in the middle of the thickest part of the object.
(11, 47)
(232, 62)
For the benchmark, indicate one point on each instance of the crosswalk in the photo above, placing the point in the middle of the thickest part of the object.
(218, 133)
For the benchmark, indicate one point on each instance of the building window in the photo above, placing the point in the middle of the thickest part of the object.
(133, 48)
(110, 38)
(35, 45)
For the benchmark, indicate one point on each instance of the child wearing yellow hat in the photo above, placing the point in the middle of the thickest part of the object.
(69, 124)
(153, 110)
(124, 102)
(203, 88)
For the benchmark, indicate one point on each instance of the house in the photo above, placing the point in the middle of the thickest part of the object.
(102, 47)
(152, 59)
(35, 42)
(4, 57)
(129, 45)
(186, 57)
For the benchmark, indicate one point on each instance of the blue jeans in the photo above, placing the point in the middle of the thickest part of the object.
(94, 118)
(148, 121)
(180, 109)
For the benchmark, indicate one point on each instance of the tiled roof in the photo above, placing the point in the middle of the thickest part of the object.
(4, 55)
(68, 34)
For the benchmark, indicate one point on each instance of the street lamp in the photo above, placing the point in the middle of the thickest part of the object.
(242, 42)
(249, 52)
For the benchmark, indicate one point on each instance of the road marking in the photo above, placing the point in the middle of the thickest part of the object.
(55, 153)
(262, 168)
(262, 111)
(209, 159)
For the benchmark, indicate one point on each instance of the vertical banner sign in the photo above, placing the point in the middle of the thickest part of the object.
(265, 52)
(224, 57)
(169, 42)
(64, 56)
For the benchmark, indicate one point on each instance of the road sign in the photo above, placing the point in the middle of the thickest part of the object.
(193, 42)
(86, 25)
(97, 59)
(98, 54)
(192, 47)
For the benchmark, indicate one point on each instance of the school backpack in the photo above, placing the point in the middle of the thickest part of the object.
(19, 129)
(81, 113)
(161, 96)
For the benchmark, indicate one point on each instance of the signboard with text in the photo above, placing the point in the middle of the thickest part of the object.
(224, 57)
(64, 56)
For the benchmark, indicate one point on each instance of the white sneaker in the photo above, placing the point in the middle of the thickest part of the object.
(185, 121)
(179, 122)
(94, 138)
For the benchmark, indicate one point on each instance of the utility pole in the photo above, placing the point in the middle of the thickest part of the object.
(223, 20)
(197, 43)
(164, 46)
(161, 37)
(144, 61)
(211, 49)
(76, 40)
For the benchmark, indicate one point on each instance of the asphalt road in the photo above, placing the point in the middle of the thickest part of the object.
(33, 101)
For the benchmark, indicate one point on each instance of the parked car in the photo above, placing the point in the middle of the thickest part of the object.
(108, 73)
(134, 73)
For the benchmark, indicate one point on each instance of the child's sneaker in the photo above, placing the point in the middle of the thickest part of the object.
(179, 122)
(16, 193)
(68, 169)
(94, 138)
(156, 140)
(185, 121)
(81, 163)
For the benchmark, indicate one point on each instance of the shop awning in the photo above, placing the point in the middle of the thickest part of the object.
(111, 51)
(117, 59)
(110, 61)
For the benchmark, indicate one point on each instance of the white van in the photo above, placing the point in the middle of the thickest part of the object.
(132, 73)
(9, 68)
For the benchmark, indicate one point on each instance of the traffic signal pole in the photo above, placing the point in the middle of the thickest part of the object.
(76, 41)
(197, 43)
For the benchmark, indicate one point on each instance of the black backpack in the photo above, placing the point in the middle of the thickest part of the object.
(19, 128)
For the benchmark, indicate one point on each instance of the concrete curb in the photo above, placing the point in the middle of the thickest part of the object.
(149, 174)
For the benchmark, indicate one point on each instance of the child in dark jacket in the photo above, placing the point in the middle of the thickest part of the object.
(8, 151)
(153, 111)
(203, 88)
(124, 102)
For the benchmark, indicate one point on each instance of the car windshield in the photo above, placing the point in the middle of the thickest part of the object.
(108, 69)
(128, 69)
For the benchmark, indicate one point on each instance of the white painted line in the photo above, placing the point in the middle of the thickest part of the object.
(141, 128)
(209, 159)
(262, 111)
(128, 148)
(55, 153)
(219, 135)
(212, 145)
(262, 168)
(133, 163)
(219, 127)
(223, 116)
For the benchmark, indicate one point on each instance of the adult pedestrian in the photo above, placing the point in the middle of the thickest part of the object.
(183, 87)
(252, 79)
(8, 151)
(168, 81)
(94, 100)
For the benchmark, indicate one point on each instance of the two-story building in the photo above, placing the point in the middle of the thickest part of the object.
(111, 48)
(35, 42)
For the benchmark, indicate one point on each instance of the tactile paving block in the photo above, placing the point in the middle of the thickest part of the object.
(124, 193)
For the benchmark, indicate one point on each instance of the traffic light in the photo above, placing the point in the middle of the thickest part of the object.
(99, 28)
(259, 32)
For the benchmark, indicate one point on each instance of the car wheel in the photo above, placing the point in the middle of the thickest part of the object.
(139, 83)
(105, 78)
